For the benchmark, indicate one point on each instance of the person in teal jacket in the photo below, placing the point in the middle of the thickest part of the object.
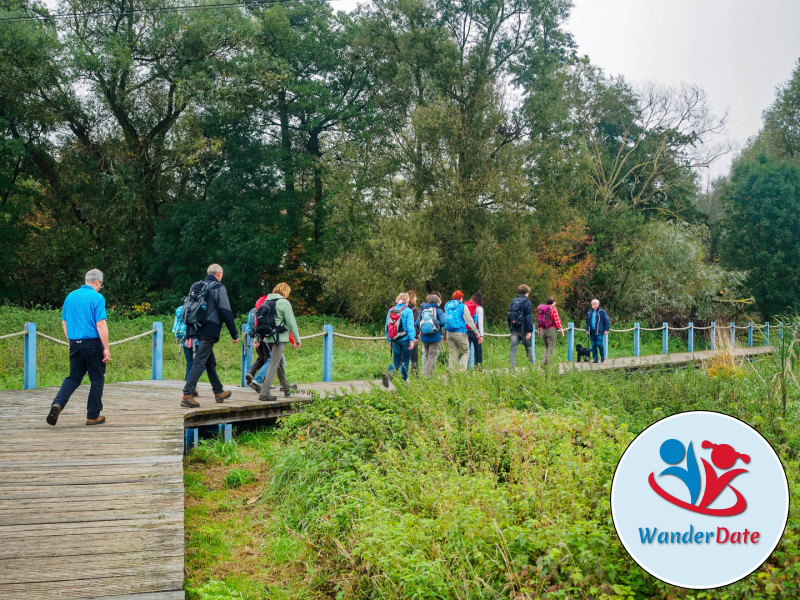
(284, 319)
(400, 320)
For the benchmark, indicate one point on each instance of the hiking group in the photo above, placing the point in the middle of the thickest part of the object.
(272, 325)
(461, 325)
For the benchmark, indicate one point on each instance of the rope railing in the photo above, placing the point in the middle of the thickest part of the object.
(687, 328)
(52, 339)
(10, 335)
(623, 330)
(355, 337)
(135, 337)
(315, 335)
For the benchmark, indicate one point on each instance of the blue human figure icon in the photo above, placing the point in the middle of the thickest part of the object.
(672, 452)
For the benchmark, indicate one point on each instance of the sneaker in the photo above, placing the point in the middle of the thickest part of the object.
(195, 393)
(385, 379)
(98, 421)
(220, 398)
(55, 410)
(287, 393)
(189, 402)
(252, 383)
(268, 398)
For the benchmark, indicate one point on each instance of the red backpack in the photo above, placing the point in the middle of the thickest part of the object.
(473, 309)
(544, 316)
(395, 327)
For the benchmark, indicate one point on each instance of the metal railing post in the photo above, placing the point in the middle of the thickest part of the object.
(665, 338)
(691, 337)
(570, 340)
(327, 353)
(158, 350)
(637, 340)
(750, 335)
(733, 335)
(247, 353)
(29, 377)
(713, 335)
(766, 333)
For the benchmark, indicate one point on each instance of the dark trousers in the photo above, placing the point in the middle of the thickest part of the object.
(477, 350)
(400, 358)
(204, 360)
(597, 344)
(414, 362)
(85, 356)
(188, 354)
(262, 356)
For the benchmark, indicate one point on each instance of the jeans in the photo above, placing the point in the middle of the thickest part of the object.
(477, 348)
(85, 356)
(401, 356)
(516, 340)
(262, 359)
(597, 344)
(458, 347)
(262, 372)
(204, 360)
(549, 337)
(276, 367)
(430, 351)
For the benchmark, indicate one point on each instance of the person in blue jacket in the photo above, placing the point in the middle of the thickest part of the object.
(597, 326)
(400, 333)
(431, 318)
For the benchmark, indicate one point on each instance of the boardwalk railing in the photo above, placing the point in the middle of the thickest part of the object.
(327, 334)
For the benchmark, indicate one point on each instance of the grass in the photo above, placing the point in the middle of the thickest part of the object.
(490, 485)
(352, 359)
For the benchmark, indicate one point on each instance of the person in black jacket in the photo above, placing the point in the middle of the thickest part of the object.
(218, 311)
(520, 324)
(597, 326)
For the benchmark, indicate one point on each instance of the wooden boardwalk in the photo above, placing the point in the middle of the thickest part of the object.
(97, 512)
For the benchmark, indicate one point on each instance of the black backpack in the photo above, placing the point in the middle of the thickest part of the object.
(516, 315)
(265, 319)
(195, 307)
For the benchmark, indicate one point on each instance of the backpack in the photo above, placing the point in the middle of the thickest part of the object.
(454, 316)
(394, 329)
(265, 324)
(194, 305)
(544, 316)
(516, 315)
(428, 321)
(178, 325)
(251, 323)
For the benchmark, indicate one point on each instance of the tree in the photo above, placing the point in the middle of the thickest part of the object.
(781, 132)
(762, 231)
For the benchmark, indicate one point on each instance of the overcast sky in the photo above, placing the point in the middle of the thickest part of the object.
(738, 51)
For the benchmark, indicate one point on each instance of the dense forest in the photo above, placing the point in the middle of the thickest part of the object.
(428, 144)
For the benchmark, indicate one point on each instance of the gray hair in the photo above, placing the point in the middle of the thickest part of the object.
(93, 275)
(433, 299)
(595, 300)
(214, 269)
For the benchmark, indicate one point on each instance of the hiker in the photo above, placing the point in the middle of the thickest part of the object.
(429, 324)
(597, 326)
(412, 304)
(401, 335)
(475, 307)
(85, 325)
(205, 328)
(549, 324)
(278, 322)
(457, 321)
(258, 370)
(185, 342)
(520, 324)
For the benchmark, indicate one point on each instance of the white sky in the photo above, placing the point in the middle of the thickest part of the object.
(738, 51)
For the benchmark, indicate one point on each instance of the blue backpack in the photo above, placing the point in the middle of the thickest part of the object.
(454, 316)
(428, 321)
(178, 325)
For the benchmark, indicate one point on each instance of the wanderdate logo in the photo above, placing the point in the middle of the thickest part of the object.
(699, 500)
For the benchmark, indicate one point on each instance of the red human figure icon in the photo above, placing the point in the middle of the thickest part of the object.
(724, 457)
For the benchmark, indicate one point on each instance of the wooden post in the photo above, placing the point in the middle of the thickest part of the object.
(158, 350)
(247, 353)
(750, 335)
(605, 346)
(226, 431)
(665, 338)
(766, 333)
(327, 353)
(733, 336)
(637, 332)
(691, 337)
(190, 437)
(570, 340)
(533, 343)
(713, 335)
(29, 377)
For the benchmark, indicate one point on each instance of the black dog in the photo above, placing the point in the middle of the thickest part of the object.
(583, 352)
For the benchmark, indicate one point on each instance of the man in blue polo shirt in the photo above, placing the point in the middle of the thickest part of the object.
(84, 321)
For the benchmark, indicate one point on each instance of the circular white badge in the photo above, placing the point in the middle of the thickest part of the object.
(699, 500)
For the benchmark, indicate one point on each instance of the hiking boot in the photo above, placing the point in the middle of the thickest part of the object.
(195, 393)
(268, 398)
(385, 379)
(287, 393)
(251, 382)
(189, 402)
(55, 410)
(98, 421)
(220, 398)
